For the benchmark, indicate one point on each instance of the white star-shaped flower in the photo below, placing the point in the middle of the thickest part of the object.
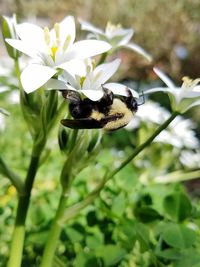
(51, 49)
(90, 80)
(181, 98)
(117, 36)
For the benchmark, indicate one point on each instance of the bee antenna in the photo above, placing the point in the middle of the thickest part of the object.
(143, 99)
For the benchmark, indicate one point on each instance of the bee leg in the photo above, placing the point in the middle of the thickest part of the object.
(72, 96)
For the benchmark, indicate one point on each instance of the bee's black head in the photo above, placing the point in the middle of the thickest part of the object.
(132, 104)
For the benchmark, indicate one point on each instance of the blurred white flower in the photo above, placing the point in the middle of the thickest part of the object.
(90, 80)
(190, 159)
(117, 36)
(179, 134)
(149, 112)
(50, 50)
(181, 98)
(14, 97)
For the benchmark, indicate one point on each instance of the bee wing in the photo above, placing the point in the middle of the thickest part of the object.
(89, 123)
(85, 123)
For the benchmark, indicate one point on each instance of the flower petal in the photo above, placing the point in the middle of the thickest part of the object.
(74, 67)
(139, 50)
(68, 78)
(101, 74)
(164, 78)
(87, 48)
(159, 89)
(120, 36)
(32, 35)
(22, 47)
(86, 26)
(106, 71)
(54, 84)
(29, 32)
(120, 89)
(67, 28)
(195, 103)
(94, 95)
(34, 76)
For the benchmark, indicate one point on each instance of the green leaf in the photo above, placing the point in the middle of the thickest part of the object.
(179, 236)
(111, 254)
(171, 254)
(177, 206)
(74, 235)
(119, 204)
(147, 214)
(142, 236)
(189, 258)
(93, 242)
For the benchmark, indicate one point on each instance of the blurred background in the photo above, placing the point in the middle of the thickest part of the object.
(168, 30)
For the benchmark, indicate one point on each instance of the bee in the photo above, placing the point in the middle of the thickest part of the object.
(111, 112)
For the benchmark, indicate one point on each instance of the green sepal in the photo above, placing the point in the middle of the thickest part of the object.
(13, 177)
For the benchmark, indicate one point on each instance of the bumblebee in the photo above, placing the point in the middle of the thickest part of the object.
(111, 112)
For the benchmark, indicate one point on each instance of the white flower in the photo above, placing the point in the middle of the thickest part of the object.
(149, 112)
(14, 97)
(181, 98)
(117, 36)
(179, 134)
(190, 159)
(50, 50)
(90, 80)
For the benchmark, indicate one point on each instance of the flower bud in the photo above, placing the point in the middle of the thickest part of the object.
(8, 31)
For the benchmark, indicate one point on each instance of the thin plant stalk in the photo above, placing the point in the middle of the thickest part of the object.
(54, 235)
(17, 242)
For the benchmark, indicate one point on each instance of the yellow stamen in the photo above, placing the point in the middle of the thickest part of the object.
(112, 27)
(53, 51)
(57, 30)
(47, 35)
(189, 83)
(93, 64)
(67, 42)
(82, 79)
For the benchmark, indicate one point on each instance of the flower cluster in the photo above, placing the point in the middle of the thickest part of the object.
(59, 62)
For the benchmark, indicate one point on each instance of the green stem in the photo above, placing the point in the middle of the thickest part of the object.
(73, 139)
(143, 145)
(51, 244)
(17, 243)
(76, 208)
(177, 176)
